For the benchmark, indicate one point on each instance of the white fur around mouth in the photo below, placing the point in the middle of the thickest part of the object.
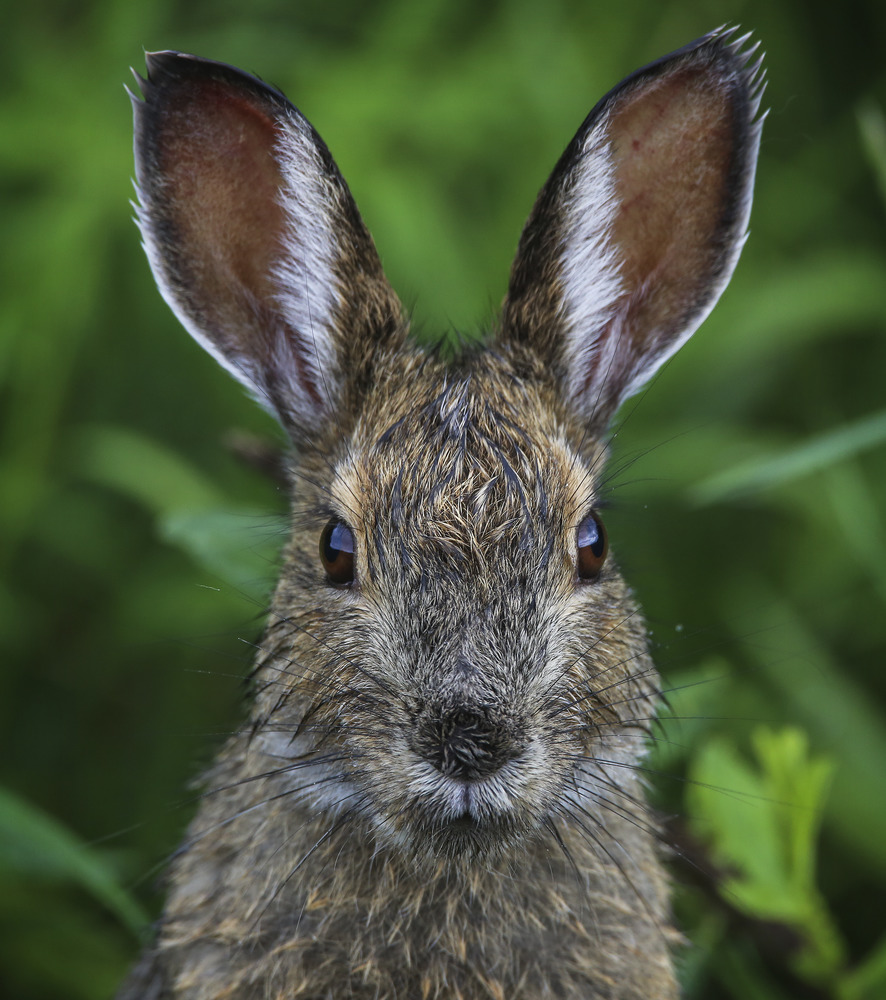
(483, 800)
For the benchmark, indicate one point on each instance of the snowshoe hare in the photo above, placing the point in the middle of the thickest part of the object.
(437, 794)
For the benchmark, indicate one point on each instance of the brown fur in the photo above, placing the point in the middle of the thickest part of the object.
(253, 900)
(437, 795)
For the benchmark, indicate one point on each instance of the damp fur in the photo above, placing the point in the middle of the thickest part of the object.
(438, 792)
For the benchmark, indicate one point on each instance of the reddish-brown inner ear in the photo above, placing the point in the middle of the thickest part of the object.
(672, 143)
(223, 185)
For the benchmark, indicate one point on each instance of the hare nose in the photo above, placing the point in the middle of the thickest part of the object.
(466, 743)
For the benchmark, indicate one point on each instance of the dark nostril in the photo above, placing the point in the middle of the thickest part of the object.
(465, 743)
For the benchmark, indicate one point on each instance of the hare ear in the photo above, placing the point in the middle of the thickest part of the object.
(638, 229)
(254, 239)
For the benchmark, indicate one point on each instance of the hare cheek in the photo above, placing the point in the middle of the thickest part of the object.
(322, 786)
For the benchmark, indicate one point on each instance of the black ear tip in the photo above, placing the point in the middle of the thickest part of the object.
(170, 64)
(160, 66)
(134, 98)
(169, 69)
(723, 43)
(164, 58)
(735, 58)
(157, 63)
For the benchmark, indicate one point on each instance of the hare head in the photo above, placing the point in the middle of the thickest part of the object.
(455, 676)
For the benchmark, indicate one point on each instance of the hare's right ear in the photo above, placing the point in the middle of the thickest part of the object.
(255, 240)
(639, 227)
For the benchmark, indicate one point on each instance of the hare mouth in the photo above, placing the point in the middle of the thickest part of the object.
(468, 798)
(470, 834)
(459, 812)
(468, 821)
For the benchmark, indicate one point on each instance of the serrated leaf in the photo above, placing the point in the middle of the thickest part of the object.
(763, 824)
(729, 807)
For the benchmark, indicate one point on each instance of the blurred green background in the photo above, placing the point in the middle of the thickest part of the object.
(135, 549)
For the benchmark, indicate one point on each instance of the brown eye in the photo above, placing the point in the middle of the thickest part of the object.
(590, 539)
(337, 552)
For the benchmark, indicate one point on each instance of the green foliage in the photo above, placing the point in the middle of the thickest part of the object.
(136, 551)
(42, 867)
(872, 124)
(34, 845)
(814, 455)
(762, 826)
(188, 511)
(868, 981)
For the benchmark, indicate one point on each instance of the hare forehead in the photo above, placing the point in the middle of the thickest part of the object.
(471, 453)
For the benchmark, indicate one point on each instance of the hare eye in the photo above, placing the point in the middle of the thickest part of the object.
(337, 552)
(590, 539)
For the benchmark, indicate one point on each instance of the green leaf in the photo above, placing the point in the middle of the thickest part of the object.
(804, 459)
(729, 807)
(237, 545)
(763, 825)
(142, 469)
(872, 125)
(868, 980)
(34, 844)
(836, 709)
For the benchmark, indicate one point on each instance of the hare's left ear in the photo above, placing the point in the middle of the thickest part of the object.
(255, 241)
(638, 229)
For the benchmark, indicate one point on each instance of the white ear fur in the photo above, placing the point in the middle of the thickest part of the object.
(308, 292)
(591, 275)
(590, 266)
(254, 238)
(639, 227)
